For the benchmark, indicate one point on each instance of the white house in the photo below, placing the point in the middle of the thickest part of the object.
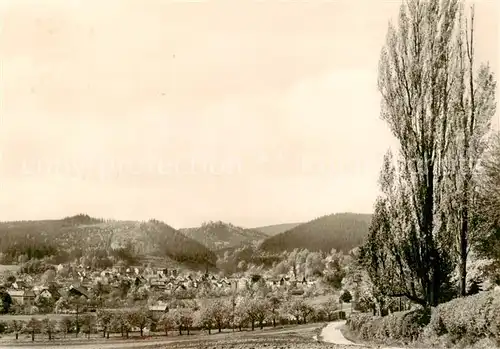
(45, 294)
(25, 297)
(242, 283)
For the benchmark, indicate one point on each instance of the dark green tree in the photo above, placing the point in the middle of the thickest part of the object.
(5, 302)
(346, 297)
(438, 109)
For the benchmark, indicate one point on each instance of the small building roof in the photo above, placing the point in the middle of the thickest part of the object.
(21, 293)
(79, 290)
(29, 293)
(15, 293)
(159, 307)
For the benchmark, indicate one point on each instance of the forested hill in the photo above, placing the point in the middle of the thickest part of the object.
(275, 229)
(341, 231)
(220, 235)
(81, 235)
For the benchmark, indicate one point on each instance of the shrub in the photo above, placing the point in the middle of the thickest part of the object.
(414, 322)
(406, 326)
(356, 321)
(468, 319)
(346, 297)
(3, 327)
(338, 315)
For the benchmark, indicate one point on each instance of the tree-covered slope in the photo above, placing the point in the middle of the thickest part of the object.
(81, 235)
(219, 235)
(275, 229)
(341, 231)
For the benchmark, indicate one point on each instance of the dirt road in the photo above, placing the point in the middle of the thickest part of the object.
(332, 334)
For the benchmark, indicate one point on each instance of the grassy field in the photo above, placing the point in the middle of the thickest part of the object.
(300, 337)
(9, 268)
(36, 316)
(318, 300)
(313, 301)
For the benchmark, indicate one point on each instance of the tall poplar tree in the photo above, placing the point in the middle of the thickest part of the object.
(439, 110)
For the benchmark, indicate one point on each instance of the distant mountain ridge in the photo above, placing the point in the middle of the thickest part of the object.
(220, 235)
(277, 228)
(82, 235)
(340, 231)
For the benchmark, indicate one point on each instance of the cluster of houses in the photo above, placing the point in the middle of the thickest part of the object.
(161, 279)
(81, 280)
(290, 282)
(168, 281)
(23, 294)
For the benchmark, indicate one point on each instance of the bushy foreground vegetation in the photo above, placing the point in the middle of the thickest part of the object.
(468, 319)
(405, 326)
(462, 321)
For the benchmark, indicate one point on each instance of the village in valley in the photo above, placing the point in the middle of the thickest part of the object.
(72, 298)
(26, 291)
(84, 275)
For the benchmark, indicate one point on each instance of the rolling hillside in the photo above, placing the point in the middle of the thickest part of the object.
(276, 229)
(82, 235)
(220, 235)
(342, 231)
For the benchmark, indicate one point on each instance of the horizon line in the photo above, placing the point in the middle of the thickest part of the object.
(187, 227)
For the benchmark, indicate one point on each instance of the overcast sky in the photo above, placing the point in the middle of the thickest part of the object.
(251, 112)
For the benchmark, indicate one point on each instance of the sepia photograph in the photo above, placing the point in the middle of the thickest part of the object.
(249, 174)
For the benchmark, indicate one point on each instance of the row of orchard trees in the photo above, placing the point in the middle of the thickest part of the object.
(251, 312)
(105, 321)
(238, 313)
(216, 314)
(248, 312)
(49, 326)
(436, 198)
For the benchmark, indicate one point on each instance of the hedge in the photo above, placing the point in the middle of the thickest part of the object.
(406, 325)
(357, 320)
(466, 320)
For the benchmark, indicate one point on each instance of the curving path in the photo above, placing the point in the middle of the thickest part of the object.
(332, 334)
